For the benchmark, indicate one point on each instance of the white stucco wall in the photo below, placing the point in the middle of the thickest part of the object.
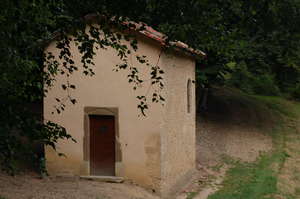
(156, 151)
(178, 135)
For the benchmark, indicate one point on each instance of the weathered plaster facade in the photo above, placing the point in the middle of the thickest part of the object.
(156, 151)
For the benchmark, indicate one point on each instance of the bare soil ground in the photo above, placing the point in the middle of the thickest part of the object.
(217, 141)
(232, 128)
(32, 187)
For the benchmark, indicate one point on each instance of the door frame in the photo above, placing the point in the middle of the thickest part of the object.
(86, 140)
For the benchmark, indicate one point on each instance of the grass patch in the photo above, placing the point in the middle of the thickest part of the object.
(217, 167)
(279, 105)
(234, 107)
(251, 180)
(297, 191)
(258, 180)
(1, 197)
(191, 195)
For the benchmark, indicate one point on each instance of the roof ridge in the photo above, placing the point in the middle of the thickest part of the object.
(151, 33)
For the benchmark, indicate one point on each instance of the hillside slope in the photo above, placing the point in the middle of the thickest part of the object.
(248, 147)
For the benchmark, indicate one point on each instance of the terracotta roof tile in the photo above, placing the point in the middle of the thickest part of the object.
(149, 32)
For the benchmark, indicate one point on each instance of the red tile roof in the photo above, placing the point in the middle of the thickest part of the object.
(161, 38)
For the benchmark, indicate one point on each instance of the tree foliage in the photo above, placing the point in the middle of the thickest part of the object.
(260, 36)
(253, 45)
(28, 71)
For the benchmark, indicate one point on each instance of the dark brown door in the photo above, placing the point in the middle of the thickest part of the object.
(102, 145)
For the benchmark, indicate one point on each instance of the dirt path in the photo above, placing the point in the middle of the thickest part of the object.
(289, 176)
(207, 182)
(215, 142)
(216, 139)
(31, 187)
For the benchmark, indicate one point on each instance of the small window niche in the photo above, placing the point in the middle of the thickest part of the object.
(189, 95)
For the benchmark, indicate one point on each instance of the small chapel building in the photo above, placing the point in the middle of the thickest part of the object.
(156, 151)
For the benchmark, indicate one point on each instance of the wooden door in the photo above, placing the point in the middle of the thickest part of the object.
(102, 145)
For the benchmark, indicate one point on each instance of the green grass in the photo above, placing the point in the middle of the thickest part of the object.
(258, 180)
(250, 180)
(1, 197)
(279, 105)
(297, 191)
(191, 195)
(217, 167)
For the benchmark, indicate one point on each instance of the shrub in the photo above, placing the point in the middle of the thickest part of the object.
(265, 85)
(296, 92)
(241, 78)
(19, 147)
